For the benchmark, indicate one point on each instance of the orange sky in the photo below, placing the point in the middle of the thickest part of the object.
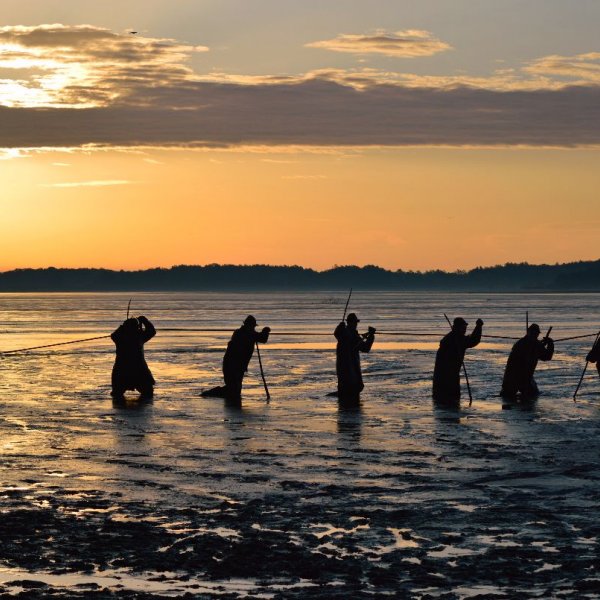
(408, 135)
(410, 209)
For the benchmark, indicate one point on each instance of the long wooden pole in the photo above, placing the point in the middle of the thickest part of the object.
(587, 362)
(463, 366)
(128, 307)
(347, 302)
(262, 373)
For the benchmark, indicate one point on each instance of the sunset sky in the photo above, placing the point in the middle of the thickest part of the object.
(415, 135)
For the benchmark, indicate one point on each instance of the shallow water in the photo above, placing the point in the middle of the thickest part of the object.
(295, 498)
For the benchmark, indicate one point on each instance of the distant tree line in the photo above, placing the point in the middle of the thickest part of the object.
(517, 277)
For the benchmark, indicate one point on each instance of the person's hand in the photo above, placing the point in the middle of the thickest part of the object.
(372, 330)
(479, 322)
(142, 318)
(266, 330)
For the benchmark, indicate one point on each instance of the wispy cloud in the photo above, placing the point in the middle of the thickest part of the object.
(97, 183)
(410, 43)
(585, 68)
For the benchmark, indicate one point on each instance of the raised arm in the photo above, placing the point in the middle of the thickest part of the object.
(148, 330)
(472, 340)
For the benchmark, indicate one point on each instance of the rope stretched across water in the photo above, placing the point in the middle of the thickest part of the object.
(276, 333)
(99, 337)
(575, 337)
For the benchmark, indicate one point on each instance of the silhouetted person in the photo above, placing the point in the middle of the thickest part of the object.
(449, 359)
(130, 371)
(522, 361)
(349, 345)
(594, 355)
(237, 356)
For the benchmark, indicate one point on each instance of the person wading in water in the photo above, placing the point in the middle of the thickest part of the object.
(349, 345)
(521, 364)
(237, 356)
(130, 371)
(594, 355)
(449, 359)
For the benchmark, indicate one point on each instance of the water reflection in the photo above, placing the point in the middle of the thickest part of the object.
(349, 422)
(132, 403)
(131, 424)
(521, 404)
(448, 411)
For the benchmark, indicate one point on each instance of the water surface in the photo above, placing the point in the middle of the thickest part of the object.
(296, 497)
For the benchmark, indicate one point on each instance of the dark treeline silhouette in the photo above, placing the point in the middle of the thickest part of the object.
(578, 276)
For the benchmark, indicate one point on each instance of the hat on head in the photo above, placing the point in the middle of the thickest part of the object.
(459, 321)
(352, 318)
(250, 320)
(534, 328)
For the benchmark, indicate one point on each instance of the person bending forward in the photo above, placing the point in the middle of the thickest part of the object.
(238, 354)
(521, 364)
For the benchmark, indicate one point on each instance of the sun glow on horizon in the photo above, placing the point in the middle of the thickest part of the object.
(378, 145)
(409, 209)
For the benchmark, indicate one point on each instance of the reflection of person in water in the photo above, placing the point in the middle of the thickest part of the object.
(349, 345)
(449, 359)
(522, 361)
(130, 371)
(349, 423)
(237, 356)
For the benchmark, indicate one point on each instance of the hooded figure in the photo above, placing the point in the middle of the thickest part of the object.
(238, 354)
(522, 361)
(130, 371)
(449, 359)
(349, 344)
(594, 355)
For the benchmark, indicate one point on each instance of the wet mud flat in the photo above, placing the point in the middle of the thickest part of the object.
(353, 510)
(299, 497)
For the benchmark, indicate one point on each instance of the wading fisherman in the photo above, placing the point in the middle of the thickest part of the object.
(522, 361)
(349, 345)
(449, 360)
(130, 371)
(594, 355)
(237, 356)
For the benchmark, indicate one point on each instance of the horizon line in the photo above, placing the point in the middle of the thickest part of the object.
(297, 266)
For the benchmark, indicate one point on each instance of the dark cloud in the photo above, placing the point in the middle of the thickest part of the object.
(91, 86)
(317, 112)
